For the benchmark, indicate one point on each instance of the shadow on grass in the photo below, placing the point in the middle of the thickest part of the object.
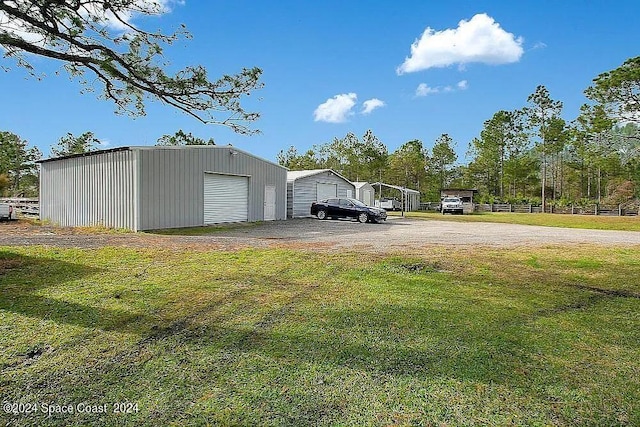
(250, 362)
(23, 277)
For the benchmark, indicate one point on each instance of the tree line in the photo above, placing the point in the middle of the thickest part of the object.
(528, 155)
(412, 165)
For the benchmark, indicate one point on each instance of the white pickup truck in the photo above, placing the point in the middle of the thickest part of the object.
(452, 205)
(7, 211)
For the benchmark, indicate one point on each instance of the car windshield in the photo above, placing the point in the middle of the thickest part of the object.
(356, 202)
(451, 200)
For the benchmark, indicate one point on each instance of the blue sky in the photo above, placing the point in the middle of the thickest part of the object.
(325, 62)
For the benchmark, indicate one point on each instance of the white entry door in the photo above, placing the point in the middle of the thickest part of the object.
(269, 203)
(326, 191)
(368, 197)
(226, 198)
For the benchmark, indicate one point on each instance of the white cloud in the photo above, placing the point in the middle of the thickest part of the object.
(336, 109)
(127, 13)
(424, 89)
(480, 39)
(371, 104)
(539, 45)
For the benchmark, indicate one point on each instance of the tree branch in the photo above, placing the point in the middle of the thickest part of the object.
(74, 32)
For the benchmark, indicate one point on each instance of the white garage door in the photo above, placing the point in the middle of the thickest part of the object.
(226, 198)
(325, 191)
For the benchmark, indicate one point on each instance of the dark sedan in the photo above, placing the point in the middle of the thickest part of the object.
(347, 208)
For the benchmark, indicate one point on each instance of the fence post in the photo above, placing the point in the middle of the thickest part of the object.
(595, 209)
(491, 207)
(619, 210)
(530, 208)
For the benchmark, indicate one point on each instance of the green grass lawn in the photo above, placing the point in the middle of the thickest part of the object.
(203, 230)
(545, 336)
(624, 223)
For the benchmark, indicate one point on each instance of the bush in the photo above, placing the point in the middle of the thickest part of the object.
(620, 192)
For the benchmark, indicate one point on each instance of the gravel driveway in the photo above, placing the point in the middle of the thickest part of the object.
(394, 234)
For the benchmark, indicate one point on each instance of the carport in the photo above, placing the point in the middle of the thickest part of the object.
(410, 198)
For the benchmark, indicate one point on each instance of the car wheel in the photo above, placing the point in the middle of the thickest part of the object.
(322, 214)
(363, 217)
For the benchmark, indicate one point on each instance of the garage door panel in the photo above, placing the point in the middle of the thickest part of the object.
(326, 191)
(226, 198)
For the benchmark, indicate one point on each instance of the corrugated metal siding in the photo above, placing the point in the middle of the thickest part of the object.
(289, 199)
(91, 190)
(304, 191)
(171, 191)
(366, 194)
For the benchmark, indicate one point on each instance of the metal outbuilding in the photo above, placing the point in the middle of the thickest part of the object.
(306, 187)
(466, 194)
(146, 188)
(410, 198)
(365, 193)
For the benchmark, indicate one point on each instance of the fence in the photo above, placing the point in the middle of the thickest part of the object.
(25, 206)
(619, 210)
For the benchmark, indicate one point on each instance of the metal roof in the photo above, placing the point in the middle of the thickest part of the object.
(360, 184)
(295, 175)
(397, 187)
(160, 147)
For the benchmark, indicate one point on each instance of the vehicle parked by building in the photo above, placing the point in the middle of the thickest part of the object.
(7, 211)
(389, 204)
(452, 205)
(347, 208)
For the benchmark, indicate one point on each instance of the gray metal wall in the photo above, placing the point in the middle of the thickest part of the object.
(89, 191)
(171, 183)
(360, 192)
(304, 192)
(290, 199)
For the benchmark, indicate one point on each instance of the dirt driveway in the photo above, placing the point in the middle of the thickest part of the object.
(393, 235)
